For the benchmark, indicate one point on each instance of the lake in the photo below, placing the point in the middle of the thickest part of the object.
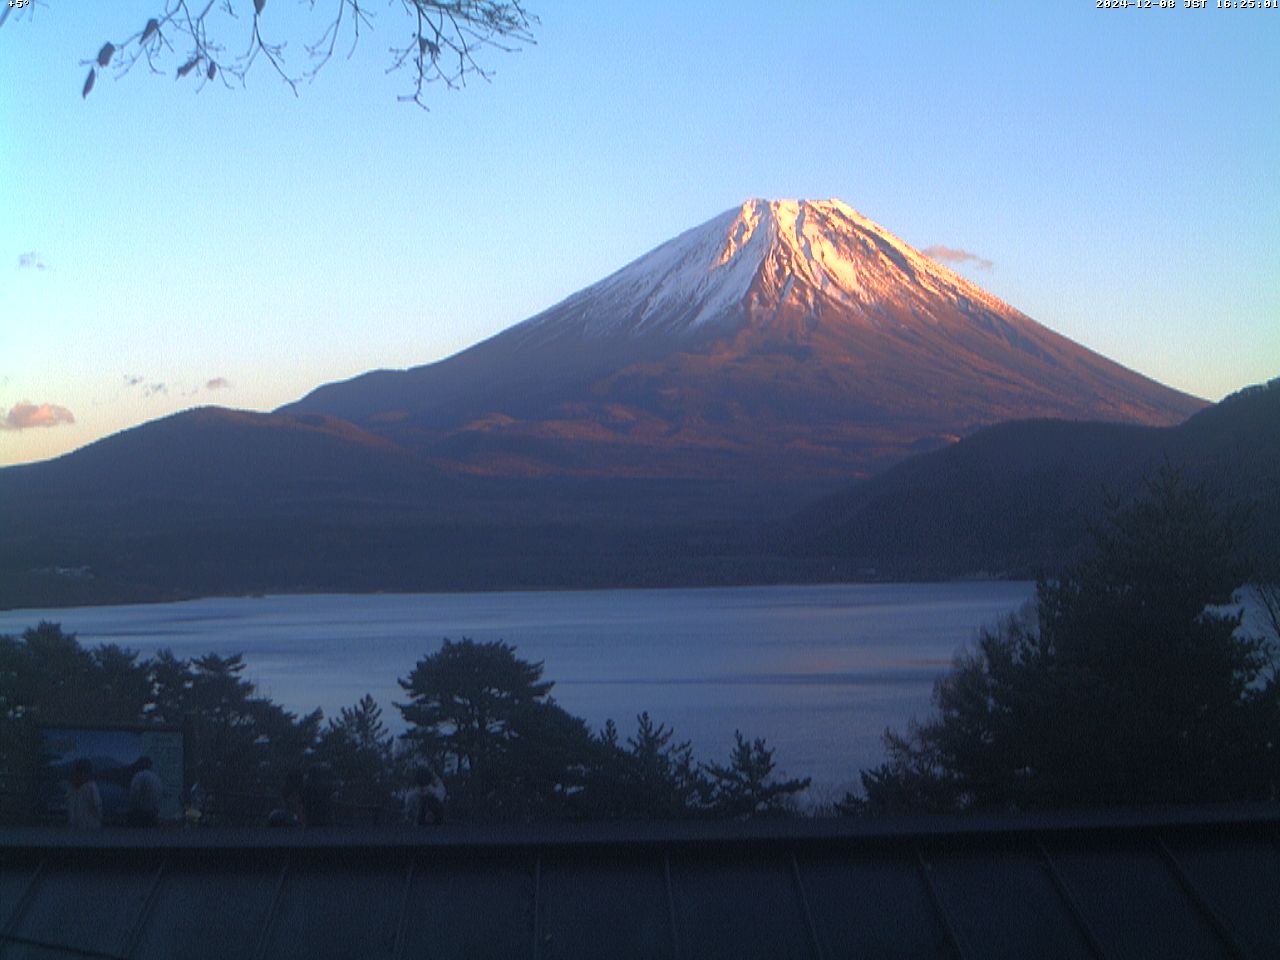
(818, 671)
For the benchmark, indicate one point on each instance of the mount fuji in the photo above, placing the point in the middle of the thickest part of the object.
(780, 340)
(665, 426)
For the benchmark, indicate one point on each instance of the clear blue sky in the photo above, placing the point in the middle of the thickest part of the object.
(1120, 169)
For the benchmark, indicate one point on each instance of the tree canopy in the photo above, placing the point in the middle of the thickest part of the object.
(486, 717)
(746, 786)
(477, 713)
(465, 699)
(1130, 682)
(510, 751)
(238, 743)
(360, 751)
(652, 776)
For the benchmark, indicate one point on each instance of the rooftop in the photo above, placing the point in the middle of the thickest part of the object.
(1187, 882)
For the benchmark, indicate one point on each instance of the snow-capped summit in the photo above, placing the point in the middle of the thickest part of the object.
(757, 258)
(783, 337)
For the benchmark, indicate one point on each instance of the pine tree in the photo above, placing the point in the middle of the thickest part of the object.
(746, 786)
(1130, 683)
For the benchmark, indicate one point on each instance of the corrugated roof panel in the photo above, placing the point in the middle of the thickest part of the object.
(1162, 884)
(1241, 882)
(471, 908)
(873, 905)
(338, 910)
(1004, 905)
(211, 913)
(26, 951)
(1134, 904)
(604, 903)
(15, 878)
(87, 904)
(742, 907)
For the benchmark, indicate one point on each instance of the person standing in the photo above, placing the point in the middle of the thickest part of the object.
(145, 791)
(84, 803)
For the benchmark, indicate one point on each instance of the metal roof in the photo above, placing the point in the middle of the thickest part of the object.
(1169, 883)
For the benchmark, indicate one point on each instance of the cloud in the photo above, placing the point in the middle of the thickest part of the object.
(148, 389)
(957, 256)
(24, 415)
(31, 261)
(218, 383)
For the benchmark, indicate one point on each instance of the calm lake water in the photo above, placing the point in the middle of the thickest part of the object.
(819, 671)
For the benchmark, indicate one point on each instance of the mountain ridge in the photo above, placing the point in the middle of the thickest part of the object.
(1015, 499)
(164, 516)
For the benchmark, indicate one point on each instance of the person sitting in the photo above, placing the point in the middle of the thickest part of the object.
(145, 791)
(84, 803)
(293, 811)
(424, 803)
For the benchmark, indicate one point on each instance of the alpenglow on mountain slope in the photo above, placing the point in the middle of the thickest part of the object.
(782, 339)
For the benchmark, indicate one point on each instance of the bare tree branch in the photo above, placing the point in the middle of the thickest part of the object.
(443, 42)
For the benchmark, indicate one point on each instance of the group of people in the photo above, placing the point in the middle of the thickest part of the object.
(308, 799)
(84, 801)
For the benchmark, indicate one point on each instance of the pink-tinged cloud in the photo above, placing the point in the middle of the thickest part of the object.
(217, 383)
(957, 256)
(24, 416)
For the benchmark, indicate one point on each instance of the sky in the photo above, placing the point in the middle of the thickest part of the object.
(1114, 174)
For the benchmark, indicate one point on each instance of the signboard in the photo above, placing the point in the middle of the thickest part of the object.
(112, 751)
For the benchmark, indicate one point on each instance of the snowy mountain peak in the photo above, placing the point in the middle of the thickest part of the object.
(756, 259)
(782, 338)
